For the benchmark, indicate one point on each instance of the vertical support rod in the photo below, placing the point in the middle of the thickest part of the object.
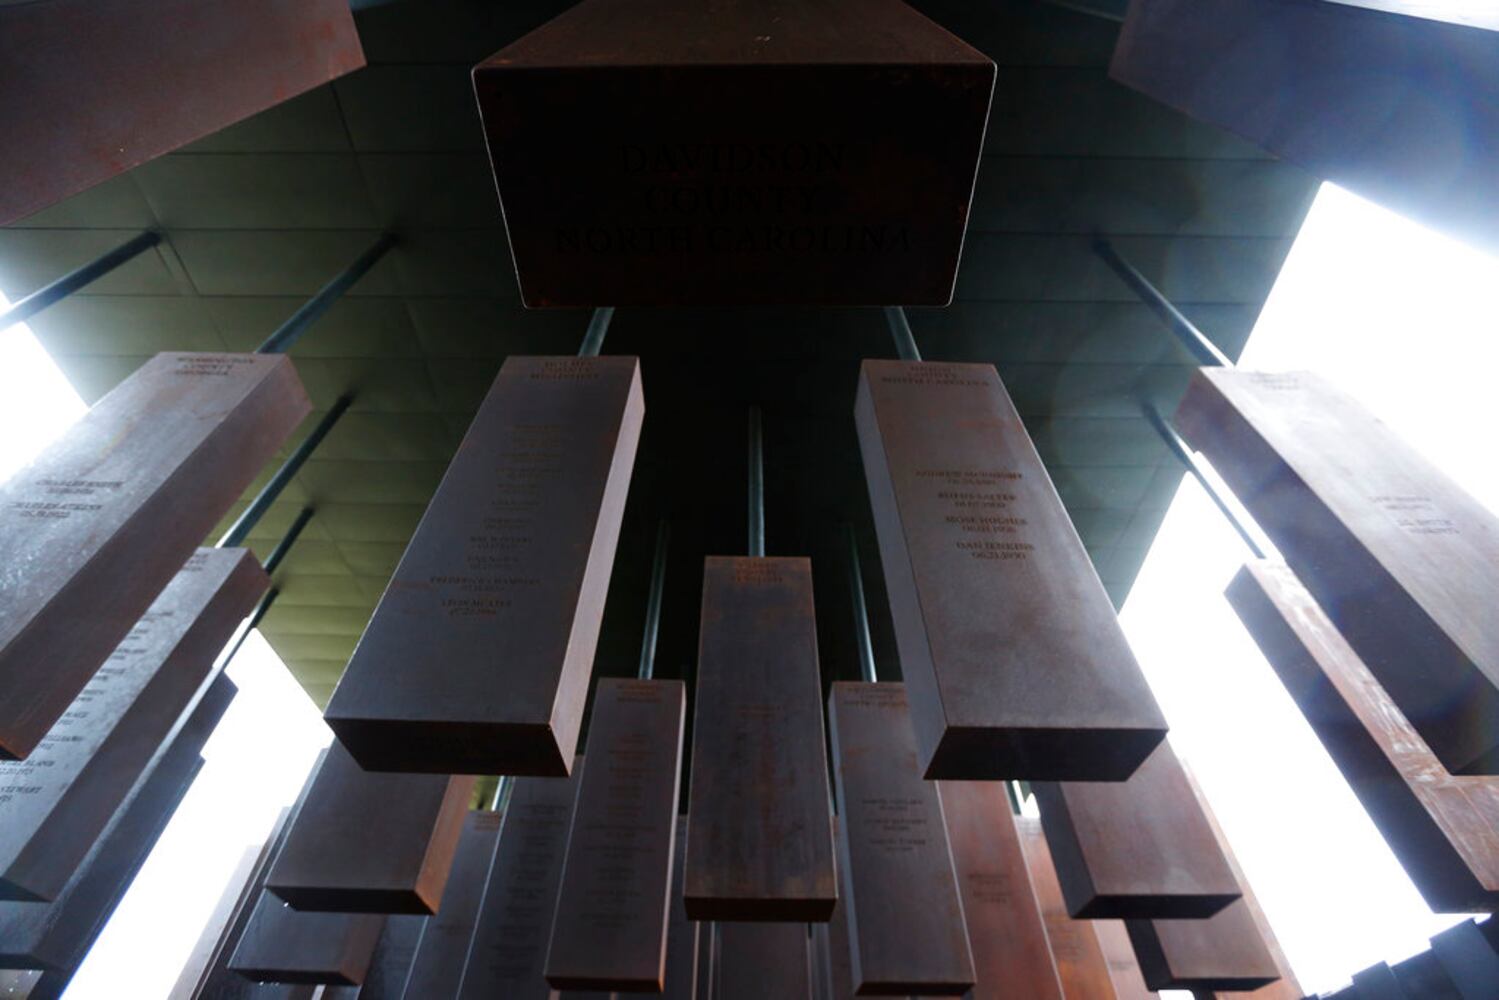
(269, 597)
(292, 330)
(1193, 339)
(283, 547)
(72, 281)
(598, 326)
(756, 484)
(502, 793)
(263, 500)
(861, 610)
(264, 605)
(1188, 458)
(653, 603)
(900, 329)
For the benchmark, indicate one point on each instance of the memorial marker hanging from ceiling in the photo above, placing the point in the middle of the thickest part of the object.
(832, 940)
(437, 970)
(1119, 957)
(371, 842)
(111, 85)
(507, 957)
(775, 152)
(1005, 928)
(760, 960)
(57, 935)
(1391, 99)
(391, 964)
(283, 945)
(682, 931)
(893, 844)
(1136, 848)
(217, 980)
(1441, 826)
(1223, 952)
(125, 494)
(1010, 649)
(609, 932)
(1080, 961)
(54, 804)
(478, 656)
(1405, 563)
(762, 844)
(1234, 950)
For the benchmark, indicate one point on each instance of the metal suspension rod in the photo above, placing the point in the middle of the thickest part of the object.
(1189, 458)
(861, 610)
(74, 280)
(598, 326)
(756, 484)
(292, 330)
(900, 329)
(502, 793)
(263, 500)
(288, 540)
(278, 554)
(1193, 339)
(653, 603)
(266, 600)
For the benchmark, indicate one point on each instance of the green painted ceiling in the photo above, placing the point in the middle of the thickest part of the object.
(258, 216)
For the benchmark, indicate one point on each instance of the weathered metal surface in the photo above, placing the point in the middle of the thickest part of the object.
(110, 85)
(283, 945)
(1404, 562)
(832, 937)
(1441, 826)
(682, 931)
(1136, 848)
(218, 982)
(1395, 102)
(1119, 955)
(707, 969)
(1005, 929)
(1223, 952)
(1075, 947)
(612, 908)
(759, 960)
(766, 152)
(508, 952)
(1009, 646)
(200, 959)
(1286, 987)
(391, 964)
(57, 935)
(478, 656)
(762, 844)
(1468, 960)
(372, 842)
(437, 970)
(54, 804)
(893, 844)
(1378, 982)
(126, 494)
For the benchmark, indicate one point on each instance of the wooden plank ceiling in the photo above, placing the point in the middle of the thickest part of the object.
(258, 216)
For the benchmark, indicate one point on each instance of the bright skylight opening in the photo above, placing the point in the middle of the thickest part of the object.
(1406, 320)
(255, 761)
